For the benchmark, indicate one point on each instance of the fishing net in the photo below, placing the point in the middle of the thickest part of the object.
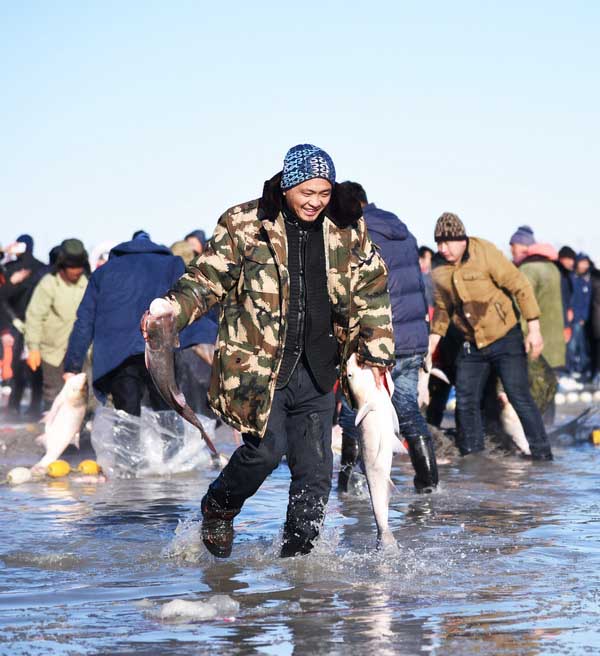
(154, 444)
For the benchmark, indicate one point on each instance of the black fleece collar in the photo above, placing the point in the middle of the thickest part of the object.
(343, 210)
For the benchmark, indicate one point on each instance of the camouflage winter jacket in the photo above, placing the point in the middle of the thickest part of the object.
(244, 269)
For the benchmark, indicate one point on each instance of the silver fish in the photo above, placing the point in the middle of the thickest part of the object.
(160, 345)
(63, 421)
(380, 433)
(511, 424)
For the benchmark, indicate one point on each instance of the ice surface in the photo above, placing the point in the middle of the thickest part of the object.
(216, 606)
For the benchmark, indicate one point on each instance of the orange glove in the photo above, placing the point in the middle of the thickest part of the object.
(567, 333)
(34, 360)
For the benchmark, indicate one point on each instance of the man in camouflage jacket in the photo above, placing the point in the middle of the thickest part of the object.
(301, 288)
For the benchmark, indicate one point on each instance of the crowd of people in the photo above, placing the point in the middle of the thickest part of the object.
(51, 315)
(288, 287)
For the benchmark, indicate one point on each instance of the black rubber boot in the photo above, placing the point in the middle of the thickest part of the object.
(217, 527)
(347, 462)
(423, 460)
(544, 453)
(303, 523)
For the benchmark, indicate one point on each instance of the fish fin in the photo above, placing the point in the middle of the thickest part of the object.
(179, 399)
(41, 439)
(75, 440)
(363, 411)
(399, 446)
(393, 488)
(438, 373)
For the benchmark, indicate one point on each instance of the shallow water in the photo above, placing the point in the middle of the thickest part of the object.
(505, 559)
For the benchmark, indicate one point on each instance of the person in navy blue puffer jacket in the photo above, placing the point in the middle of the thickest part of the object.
(117, 294)
(399, 250)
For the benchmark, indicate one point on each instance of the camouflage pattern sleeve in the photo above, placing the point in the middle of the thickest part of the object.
(372, 301)
(209, 277)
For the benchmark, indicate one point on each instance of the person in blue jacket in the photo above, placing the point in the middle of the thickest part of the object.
(117, 294)
(399, 250)
(578, 349)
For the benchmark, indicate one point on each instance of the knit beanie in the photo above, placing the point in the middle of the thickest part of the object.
(523, 236)
(305, 162)
(449, 228)
(72, 254)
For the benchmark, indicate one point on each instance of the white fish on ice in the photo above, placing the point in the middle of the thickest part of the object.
(64, 420)
(379, 439)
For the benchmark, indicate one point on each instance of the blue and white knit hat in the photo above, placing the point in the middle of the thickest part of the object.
(305, 162)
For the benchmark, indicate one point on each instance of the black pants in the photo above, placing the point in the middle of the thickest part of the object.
(299, 427)
(507, 356)
(128, 383)
(22, 376)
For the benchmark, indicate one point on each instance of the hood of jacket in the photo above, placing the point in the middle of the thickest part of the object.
(342, 209)
(384, 223)
(541, 251)
(138, 246)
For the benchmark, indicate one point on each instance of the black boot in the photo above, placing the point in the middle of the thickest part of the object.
(303, 523)
(217, 527)
(422, 457)
(347, 462)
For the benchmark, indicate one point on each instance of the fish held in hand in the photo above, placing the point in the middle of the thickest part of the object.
(380, 433)
(161, 342)
(63, 421)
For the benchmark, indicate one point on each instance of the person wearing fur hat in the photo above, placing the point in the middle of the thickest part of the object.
(51, 314)
(301, 288)
(474, 290)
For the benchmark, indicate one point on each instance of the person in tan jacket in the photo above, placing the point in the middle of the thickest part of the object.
(478, 290)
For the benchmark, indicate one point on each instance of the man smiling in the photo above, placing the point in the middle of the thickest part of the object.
(301, 288)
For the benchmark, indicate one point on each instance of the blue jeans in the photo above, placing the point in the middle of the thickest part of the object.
(578, 351)
(507, 356)
(404, 399)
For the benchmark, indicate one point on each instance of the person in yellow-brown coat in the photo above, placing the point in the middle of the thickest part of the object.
(478, 289)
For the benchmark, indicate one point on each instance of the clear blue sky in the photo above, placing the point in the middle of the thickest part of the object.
(122, 115)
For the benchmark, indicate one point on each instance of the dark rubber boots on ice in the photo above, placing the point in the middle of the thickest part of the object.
(217, 527)
(349, 458)
(422, 457)
(423, 460)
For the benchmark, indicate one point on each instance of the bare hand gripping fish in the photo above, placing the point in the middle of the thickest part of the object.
(161, 340)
